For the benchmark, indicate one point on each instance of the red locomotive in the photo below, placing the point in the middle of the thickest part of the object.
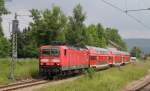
(62, 59)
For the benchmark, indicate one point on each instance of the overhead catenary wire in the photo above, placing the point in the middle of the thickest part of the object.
(137, 10)
(129, 15)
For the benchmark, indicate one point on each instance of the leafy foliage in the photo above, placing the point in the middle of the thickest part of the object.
(136, 52)
(48, 26)
(3, 10)
(76, 33)
(4, 43)
(113, 35)
(4, 47)
(96, 35)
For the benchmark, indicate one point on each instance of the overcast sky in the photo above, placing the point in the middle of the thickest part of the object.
(96, 12)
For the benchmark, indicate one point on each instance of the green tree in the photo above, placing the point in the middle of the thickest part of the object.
(76, 32)
(101, 36)
(48, 26)
(4, 47)
(96, 35)
(136, 52)
(113, 35)
(92, 35)
(23, 40)
(4, 43)
(3, 11)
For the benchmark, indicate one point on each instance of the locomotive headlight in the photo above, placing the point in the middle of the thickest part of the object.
(55, 60)
(44, 60)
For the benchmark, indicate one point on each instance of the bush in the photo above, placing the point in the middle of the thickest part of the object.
(90, 72)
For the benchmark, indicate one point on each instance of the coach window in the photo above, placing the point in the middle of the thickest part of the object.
(65, 52)
(110, 58)
(92, 57)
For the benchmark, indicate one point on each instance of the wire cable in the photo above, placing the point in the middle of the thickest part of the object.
(137, 10)
(129, 15)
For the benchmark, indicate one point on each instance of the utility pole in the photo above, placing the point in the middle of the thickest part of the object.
(15, 29)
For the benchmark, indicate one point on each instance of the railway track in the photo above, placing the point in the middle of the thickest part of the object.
(30, 83)
(143, 86)
(140, 85)
(23, 84)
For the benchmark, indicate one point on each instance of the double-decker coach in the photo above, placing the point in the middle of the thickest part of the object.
(125, 57)
(98, 57)
(118, 57)
(115, 56)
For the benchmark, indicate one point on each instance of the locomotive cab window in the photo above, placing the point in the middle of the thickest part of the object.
(45, 52)
(50, 52)
(54, 51)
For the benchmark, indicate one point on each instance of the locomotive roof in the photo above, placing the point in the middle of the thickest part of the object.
(48, 46)
(63, 46)
(97, 48)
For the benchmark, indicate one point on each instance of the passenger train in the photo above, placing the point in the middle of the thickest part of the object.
(64, 59)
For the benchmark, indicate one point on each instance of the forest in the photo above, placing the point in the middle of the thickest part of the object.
(53, 24)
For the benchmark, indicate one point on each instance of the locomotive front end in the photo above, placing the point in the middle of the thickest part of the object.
(49, 60)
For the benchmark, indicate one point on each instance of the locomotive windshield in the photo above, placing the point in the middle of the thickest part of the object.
(50, 52)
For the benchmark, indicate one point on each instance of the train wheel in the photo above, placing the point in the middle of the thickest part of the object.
(49, 75)
(110, 65)
(123, 64)
(42, 72)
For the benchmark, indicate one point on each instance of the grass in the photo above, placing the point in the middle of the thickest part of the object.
(108, 80)
(24, 68)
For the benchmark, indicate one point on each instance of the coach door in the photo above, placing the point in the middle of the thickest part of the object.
(93, 59)
(110, 59)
